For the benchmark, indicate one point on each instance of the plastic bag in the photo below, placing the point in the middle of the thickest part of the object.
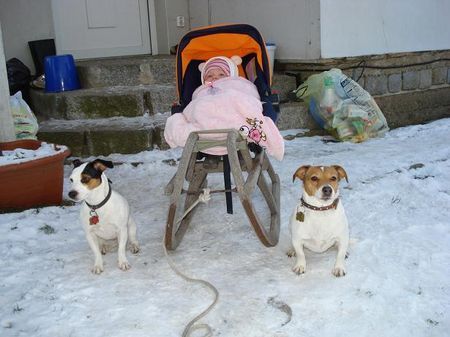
(342, 107)
(25, 122)
(19, 75)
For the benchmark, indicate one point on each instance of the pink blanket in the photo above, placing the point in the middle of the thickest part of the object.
(229, 103)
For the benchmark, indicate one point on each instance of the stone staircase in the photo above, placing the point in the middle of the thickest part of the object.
(124, 104)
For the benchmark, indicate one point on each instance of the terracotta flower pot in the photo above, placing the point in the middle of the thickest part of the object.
(34, 182)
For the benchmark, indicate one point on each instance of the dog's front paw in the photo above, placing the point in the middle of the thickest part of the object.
(97, 269)
(338, 271)
(299, 269)
(124, 265)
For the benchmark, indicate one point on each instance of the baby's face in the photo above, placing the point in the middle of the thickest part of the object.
(214, 74)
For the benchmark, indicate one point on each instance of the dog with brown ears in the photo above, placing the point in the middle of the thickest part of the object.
(105, 214)
(319, 221)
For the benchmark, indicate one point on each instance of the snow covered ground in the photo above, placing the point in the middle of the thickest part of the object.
(398, 272)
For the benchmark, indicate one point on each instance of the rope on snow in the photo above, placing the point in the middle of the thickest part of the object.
(204, 197)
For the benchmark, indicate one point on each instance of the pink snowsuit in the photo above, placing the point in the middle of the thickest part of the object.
(228, 103)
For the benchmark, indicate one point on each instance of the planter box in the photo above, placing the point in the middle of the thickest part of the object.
(35, 181)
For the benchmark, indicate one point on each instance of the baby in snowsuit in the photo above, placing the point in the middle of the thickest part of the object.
(225, 101)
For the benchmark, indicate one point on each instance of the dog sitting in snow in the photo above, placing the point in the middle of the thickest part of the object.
(319, 221)
(105, 214)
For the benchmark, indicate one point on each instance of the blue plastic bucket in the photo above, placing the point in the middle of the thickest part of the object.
(60, 73)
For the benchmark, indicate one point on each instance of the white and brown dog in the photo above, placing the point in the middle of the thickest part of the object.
(105, 214)
(319, 221)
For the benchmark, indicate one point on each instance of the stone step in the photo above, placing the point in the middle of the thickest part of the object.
(92, 137)
(283, 85)
(126, 71)
(294, 115)
(124, 86)
(125, 101)
(135, 134)
(145, 70)
(132, 101)
(105, 136)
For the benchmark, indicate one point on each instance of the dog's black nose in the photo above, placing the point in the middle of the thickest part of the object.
(73, 194)
(327, 191)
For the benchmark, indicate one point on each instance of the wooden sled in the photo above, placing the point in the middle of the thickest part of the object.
(195, 173)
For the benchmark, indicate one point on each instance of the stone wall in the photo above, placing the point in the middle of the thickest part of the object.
(383, 74)
(410, 88)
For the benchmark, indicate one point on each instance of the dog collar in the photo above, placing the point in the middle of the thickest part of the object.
(324, 208)
(94, 219)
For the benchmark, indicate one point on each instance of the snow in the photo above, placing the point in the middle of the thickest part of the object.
(20, 155)
(398, 272)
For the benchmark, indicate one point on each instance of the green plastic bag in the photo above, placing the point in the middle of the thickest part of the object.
(25, 122)
(342, 107)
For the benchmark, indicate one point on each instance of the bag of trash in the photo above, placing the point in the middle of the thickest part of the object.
(342, 107)
(25, 122)
(19, 75)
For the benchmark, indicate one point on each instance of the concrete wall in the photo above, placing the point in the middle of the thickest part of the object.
(28, 20)
(364, 27)
(293, 25)
(161, 27)
(166, 16)
(23, 21)
(302, 29)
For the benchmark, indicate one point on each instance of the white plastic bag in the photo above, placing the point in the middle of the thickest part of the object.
(25, 122)
(342, 107)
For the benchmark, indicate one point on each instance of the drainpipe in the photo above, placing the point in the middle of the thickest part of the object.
(7, 132)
